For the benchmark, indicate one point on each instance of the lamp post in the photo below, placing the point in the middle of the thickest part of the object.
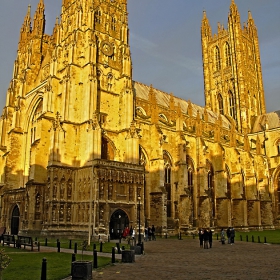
(139, 229)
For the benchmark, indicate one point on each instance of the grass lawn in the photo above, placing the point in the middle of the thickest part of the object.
(272, 236)
(26, 265)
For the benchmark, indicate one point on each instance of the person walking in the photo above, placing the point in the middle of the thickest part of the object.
(206, 239)
(228, 235)
(153, 233)
(232, 235)
(200, 235)
(210, 234)
(223, 236)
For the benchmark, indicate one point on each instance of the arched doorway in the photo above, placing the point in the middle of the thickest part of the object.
(118, 222)
(15, 221)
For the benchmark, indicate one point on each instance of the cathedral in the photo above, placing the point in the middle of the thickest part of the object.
(87, 151)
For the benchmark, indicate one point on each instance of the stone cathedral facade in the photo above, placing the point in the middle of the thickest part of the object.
(86, 150)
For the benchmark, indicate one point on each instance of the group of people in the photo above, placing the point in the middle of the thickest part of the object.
(205, 238)
(150, 233)
(230, 233)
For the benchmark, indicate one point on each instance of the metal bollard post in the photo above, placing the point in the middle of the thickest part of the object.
(75, 248)
(253, 238)
(217, 236)
(259, 241)
(73, 257)
(70, 244)
(240, 237)
(264, 239)
(166, 236)
(113, 255)
(58, 247)
(44, 269)
(39, 246)
(95, 259)
(57, 240)
(246, 238)
(101, 246)
(194, 236)
(94, 247)
(108, 238)
(46, 242)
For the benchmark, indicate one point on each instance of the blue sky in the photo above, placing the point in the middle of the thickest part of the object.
(164, 40)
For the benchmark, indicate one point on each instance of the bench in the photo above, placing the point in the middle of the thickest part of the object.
(9, 239)
(27, 241)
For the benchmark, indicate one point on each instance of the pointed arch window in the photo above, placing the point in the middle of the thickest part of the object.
(278, 146)
(232, 108)
(221, 104)
(167, 182)
(97, 16)
(227, 55)
(217, 59)
(113, 23)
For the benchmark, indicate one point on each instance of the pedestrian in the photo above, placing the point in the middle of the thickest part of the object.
(153, 233)
(149, 233)
(232, 235)
(228, 235)
(146, 234)
(206, 239)
(200, 235)
(210, 237)
(223, 236)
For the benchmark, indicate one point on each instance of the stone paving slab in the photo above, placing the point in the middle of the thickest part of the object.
(184, 259)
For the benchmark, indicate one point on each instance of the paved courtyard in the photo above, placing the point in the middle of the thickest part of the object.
(184, 259)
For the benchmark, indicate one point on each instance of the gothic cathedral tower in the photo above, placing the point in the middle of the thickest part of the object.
(232, 70)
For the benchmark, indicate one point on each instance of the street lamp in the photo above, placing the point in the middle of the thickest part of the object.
(139, 229)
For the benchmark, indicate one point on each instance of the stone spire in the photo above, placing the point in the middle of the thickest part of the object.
(39, 19)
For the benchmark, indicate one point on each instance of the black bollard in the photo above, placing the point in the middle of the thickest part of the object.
(253, 238)
(70, 244)
(75, 248)
(193, 236)
(44, 269)
(46, 242)
(108, 238)
(247, 238)
(57, 240)
(38, 246)
(259, 241)
(36, 239)
(264, 239)
(123, 248)
(58, 247)
(166, 236)
(113, 255)
(217, 236)
(101, 245)
(95, 259)
(240, 237)
(94, 247)
(180, 236)
(73, 257)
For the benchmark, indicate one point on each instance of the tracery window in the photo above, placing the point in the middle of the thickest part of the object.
(227, 55)
(97, 16)
(217, 59)
(232, 109)
(113, 24)
(221, 104)
(167, 182)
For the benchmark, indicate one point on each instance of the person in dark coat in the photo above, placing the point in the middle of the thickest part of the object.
(228, 235)
(200, 235)
(206, 239)
(153, 233)
(232, 235)
(210, 237)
